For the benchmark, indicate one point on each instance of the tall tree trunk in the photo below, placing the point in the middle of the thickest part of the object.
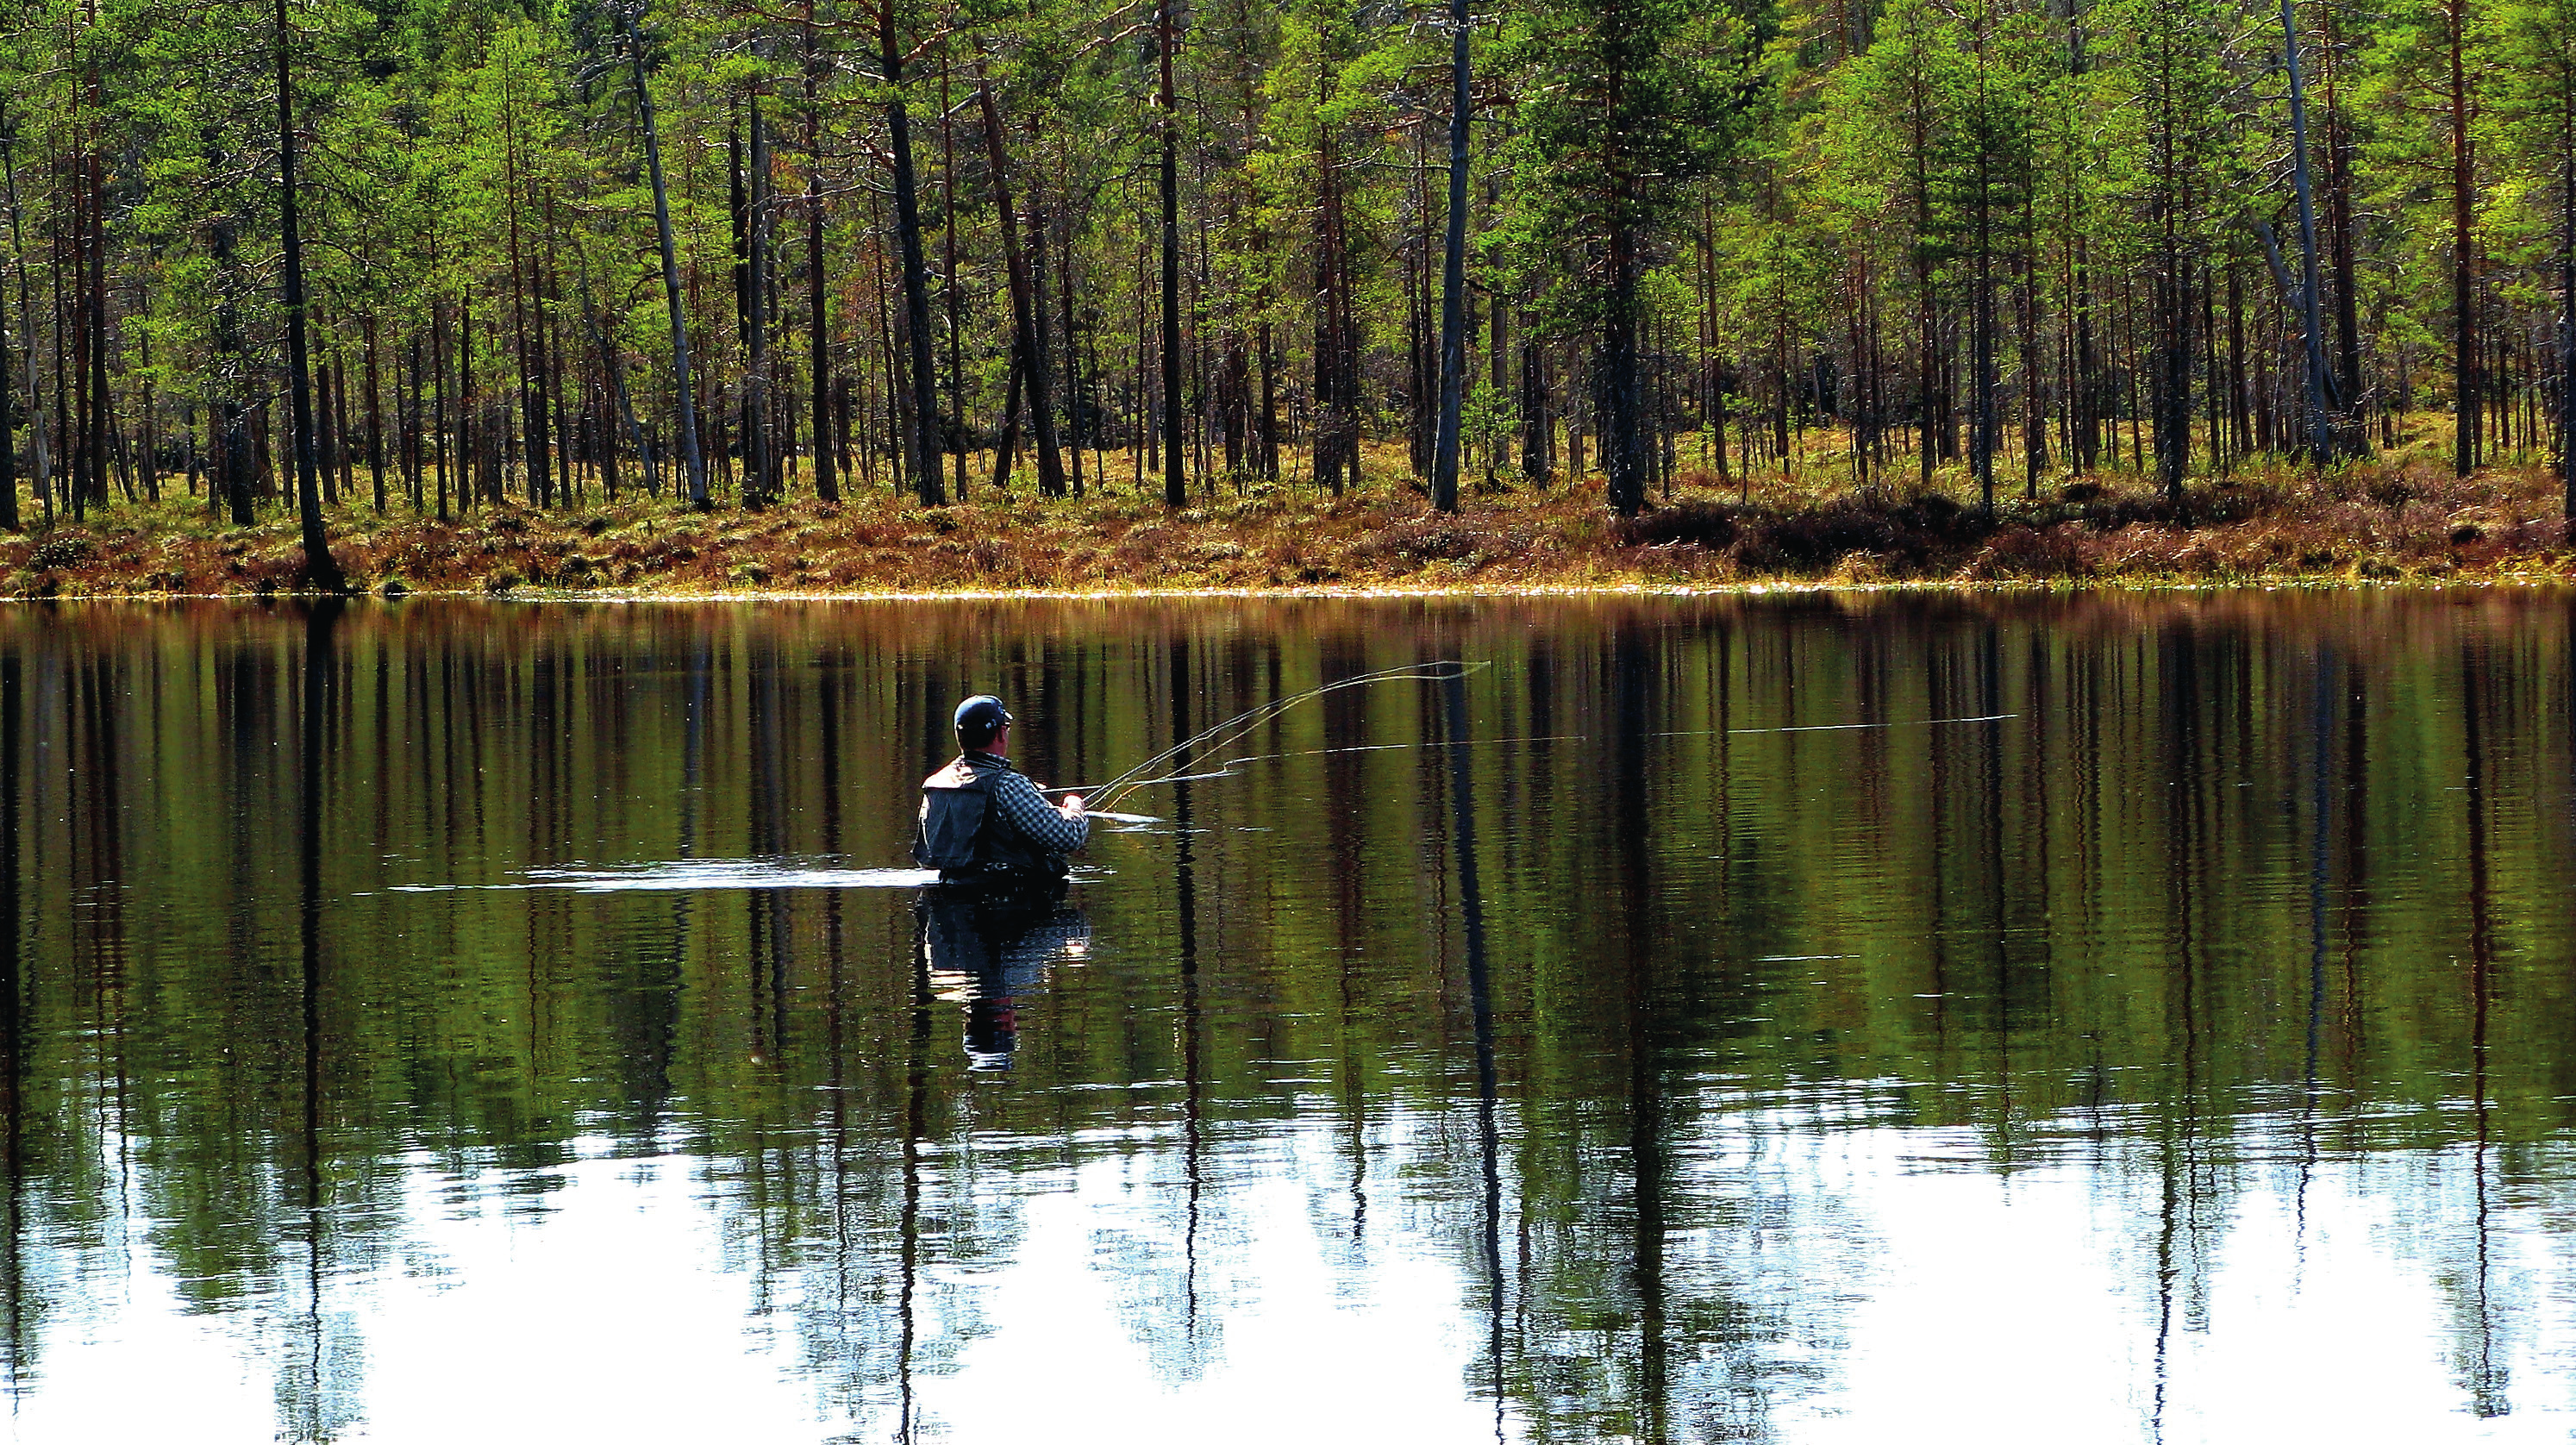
(66, 384)
(1175, 489)
(2567, 294)
(682, 387)
(1006, 446)
(924, 420)
(759, 462)
(551, 389)
(1926, 310)
(1200, 348)
(827, 484)
(2339, 232)
(1025, 319)
(8, 445)
(2464, 349)
(2239, 432)
(952, 433)
(1498, 359)
(407, 379)
(85, 450)
(95, 323)
(1336, 425)
(1146, 421)
(438, 399)
(1034, 247)
(1453, 273)
(342, 453)
(2034, 416)
(530, 340)
(39, 475)
(9, 395)
(452, 416)
(1981, 383)
(1537, 432)
(1266, 446)
(470, 439)
(240, 465)
(2088, 384)
(559, 357)
(901, 455)
(2322, 401)
(2171, 395)
(1623, 449)
(321, 571)
(375, 415)
(1421, 346)
(614, 365)
(1981, 447)
(66, 381)
(1073, 393)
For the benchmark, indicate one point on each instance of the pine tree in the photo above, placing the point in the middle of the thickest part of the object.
(1890, 118)
(2537, 97)
(2172, 53)
(321, 570)
(1624, 102)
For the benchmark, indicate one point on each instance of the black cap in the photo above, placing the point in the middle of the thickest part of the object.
(978, 718)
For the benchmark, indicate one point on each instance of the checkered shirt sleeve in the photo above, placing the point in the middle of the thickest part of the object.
(1019, 800)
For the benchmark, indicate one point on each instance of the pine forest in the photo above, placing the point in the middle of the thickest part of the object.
(306, 268)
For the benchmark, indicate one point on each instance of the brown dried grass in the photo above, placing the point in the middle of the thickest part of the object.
(2395, 519)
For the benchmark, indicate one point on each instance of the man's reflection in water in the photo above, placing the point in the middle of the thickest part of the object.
(987, 951)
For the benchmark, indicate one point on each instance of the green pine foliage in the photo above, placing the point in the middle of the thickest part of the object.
(1978, 248)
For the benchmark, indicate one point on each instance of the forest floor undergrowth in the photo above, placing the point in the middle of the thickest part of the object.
(2400, 518)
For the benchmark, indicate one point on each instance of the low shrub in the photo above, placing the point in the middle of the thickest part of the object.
(62, 552)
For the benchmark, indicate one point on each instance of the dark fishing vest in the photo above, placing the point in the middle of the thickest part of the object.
(965, 837)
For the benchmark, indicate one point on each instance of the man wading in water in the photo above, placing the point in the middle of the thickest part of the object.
(983, 823)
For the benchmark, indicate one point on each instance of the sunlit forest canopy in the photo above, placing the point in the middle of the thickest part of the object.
(723, 253)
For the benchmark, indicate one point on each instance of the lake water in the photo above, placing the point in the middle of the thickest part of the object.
(1802, 1019)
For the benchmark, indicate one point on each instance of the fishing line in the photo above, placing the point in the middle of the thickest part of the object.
(1920, 722)
(1232, 767)
(1235, 729)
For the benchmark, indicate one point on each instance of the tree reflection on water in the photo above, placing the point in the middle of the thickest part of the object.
(1717, 1019)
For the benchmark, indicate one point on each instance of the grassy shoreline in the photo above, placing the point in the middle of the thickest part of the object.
(2396, 520)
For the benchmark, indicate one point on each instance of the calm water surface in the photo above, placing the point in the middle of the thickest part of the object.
(2095, 1020)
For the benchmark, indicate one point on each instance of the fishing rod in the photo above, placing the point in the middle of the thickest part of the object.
(1235, 729)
